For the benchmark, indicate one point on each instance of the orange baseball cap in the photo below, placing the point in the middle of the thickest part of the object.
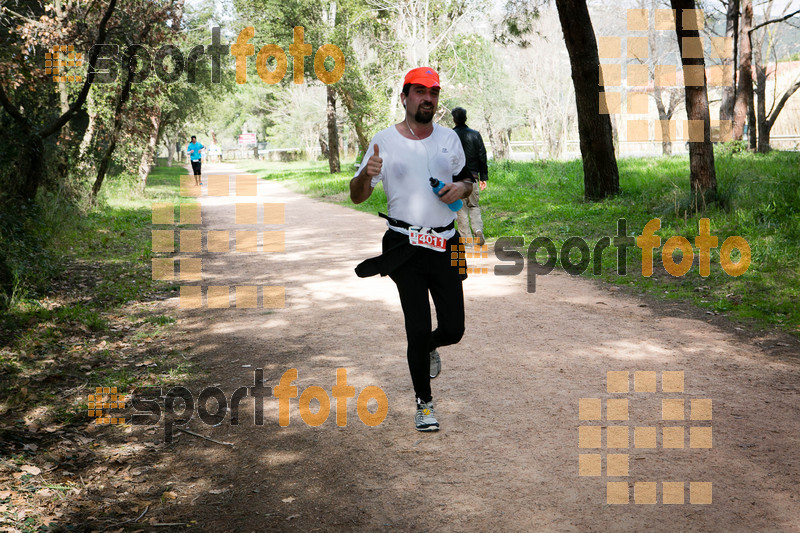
(422, 76)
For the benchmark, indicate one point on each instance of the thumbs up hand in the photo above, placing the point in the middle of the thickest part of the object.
(374, 163)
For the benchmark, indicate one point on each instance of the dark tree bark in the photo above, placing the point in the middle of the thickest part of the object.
(600, 173)
(744, 88)
(731, 32)
(333, 132)
(761, 103)
(702, 177)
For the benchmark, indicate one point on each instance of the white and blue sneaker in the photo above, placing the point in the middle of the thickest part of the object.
(436, 363)
(425, 419)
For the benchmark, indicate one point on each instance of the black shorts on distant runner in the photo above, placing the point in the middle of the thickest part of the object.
(196, 167)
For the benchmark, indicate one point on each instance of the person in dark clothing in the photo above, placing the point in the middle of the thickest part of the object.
(475, 152)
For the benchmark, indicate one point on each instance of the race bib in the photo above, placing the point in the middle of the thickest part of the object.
(426, 238)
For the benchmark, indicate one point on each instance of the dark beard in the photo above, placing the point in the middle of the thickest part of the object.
(423, 117)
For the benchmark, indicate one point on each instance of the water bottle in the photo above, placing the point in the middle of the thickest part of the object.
(437, 186)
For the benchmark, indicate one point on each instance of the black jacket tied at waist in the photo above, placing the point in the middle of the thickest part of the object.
(397, 250)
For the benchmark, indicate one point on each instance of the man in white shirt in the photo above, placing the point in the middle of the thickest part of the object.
(418, 244)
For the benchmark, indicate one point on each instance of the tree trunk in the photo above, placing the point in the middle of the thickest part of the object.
(31, 166)
(761, 104)
(393, 100)
(532, 127)
(752, 123)
(615, 135)
(333, 132)
(170, 150)
(728, 89)
(361, 136)
(600, 173)
(356, 119)
(88, 135)
(663, 117)
(105, 161)
(744, 88)
(702, 177)
(496, 141)
(149, 151)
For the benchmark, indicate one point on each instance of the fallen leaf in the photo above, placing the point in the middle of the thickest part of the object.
(5, 494)
(290, 499)
(292, 517)
(169, 495)
(30, 469)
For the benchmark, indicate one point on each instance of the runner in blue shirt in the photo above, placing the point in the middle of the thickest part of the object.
(194, 149)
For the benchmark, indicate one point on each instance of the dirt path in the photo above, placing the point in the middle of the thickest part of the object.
(507, 456)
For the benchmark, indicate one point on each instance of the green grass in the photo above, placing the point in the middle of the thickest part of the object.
(758, 199)
(101, 263)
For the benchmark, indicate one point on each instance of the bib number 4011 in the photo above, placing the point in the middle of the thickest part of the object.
(427, 240)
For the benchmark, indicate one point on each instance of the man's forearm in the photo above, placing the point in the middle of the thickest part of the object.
(360, 187)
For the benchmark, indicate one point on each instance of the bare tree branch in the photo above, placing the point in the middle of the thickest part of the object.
(782, 19)
(23, 17)
(786, 95)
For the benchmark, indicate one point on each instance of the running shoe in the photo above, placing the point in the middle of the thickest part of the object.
(436, 363)
(479, 238)
(425, 419)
